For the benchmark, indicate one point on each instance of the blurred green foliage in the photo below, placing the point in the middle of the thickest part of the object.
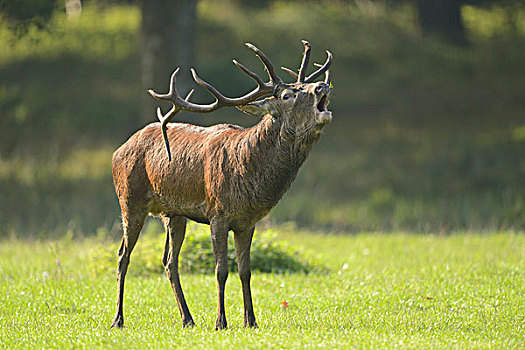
(22, 14)
(425, 137)
(268, 254)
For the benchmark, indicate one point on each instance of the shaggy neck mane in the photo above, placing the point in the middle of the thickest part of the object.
(269, 162)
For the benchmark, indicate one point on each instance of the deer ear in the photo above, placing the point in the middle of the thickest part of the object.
(260, 108)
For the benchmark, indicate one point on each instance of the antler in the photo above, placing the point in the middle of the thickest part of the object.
(327, 77)
(324, 68)
(164, 120)
(180, 104)
(221, 100)
(304, 63)
(262, 89)
(294, 75)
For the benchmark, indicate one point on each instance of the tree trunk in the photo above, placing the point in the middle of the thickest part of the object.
(167, 42)
(442, 18)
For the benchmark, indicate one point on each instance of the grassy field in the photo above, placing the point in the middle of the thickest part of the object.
(382, 291)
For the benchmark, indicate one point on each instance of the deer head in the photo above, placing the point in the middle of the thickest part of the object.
(301, 106)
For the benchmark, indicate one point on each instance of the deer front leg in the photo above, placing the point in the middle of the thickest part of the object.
(219, 240)
(175, 232)
(243, 241)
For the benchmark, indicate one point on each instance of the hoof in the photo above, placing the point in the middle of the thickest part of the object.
(188, 324)
(220, 327)
(221, 324)
(118, 322)
(249, 321)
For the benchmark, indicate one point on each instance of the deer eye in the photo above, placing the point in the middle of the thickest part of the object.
(287, 96)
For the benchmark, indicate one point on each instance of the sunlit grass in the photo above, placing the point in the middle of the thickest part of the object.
(461, 291)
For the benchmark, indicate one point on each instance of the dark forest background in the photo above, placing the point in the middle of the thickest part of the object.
(429, 105)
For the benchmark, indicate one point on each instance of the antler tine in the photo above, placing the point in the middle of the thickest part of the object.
(321, 70)
(221, 100)
(250, 73)
(164, 120)
(163, 127)
(304, 62)
(267, 63)
(327, 77)
(188, 96)
(291, 72)
(173, 89)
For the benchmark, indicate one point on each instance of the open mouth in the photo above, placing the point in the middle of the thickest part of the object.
(322, 115)
(323, 103)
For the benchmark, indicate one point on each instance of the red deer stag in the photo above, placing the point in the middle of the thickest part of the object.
(224, 175)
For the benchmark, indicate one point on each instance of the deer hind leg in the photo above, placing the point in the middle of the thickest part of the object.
(132, 222)
(175, 232)
(219, 240)
(243, 241)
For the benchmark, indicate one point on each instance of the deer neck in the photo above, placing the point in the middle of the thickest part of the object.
(276, 154)
(284, 145)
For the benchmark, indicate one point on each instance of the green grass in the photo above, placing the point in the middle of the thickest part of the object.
(384, 291)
